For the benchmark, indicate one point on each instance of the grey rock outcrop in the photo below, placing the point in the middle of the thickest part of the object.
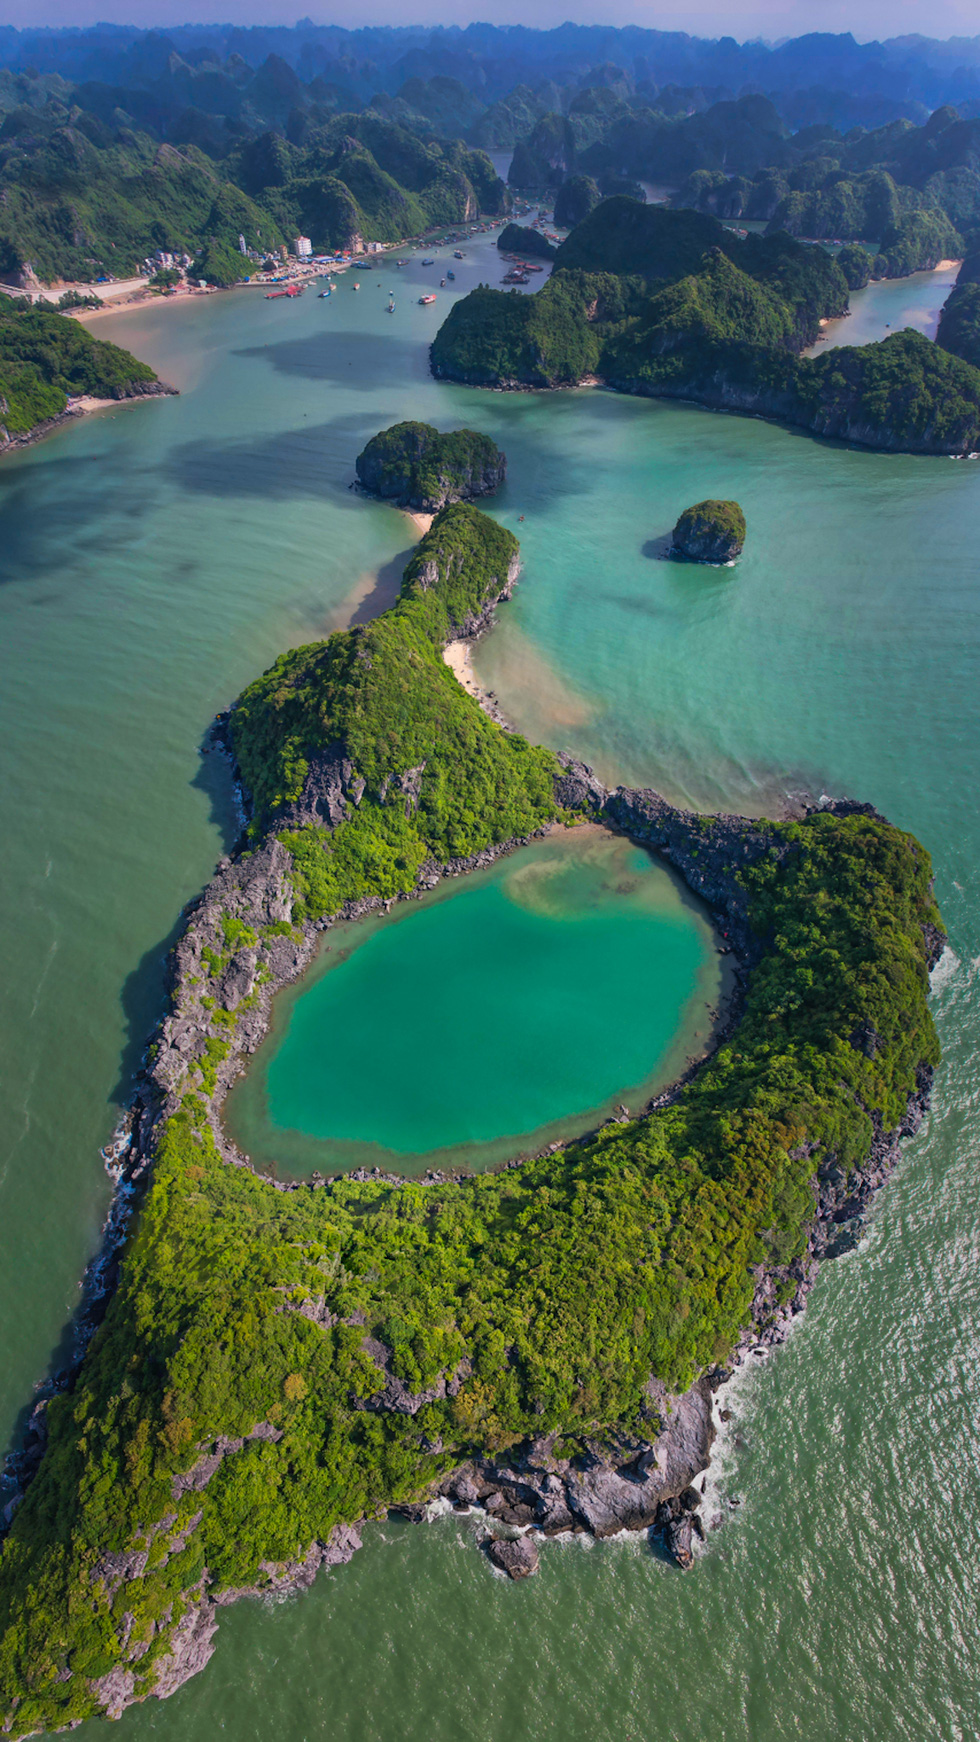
(518, 1559)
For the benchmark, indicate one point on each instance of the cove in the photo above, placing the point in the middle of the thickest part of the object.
(571, 977)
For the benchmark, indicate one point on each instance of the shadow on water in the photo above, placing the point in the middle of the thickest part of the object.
(658, 549)
(143, 992)
(365, 361)
(30, 541)
(385, 591)
(294, 463)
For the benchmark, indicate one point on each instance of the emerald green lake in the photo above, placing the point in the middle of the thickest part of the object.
(474, 1024)
(153, 559)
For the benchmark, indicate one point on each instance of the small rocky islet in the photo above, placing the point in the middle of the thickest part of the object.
(712, 531)
(415, 466)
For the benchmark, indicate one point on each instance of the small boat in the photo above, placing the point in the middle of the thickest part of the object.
(428, 263)
(430, 298)
(287, 290)
(324, 293)
(356, 285)
(458, 254)
(391, 305)
(442, 282)
(451, 277)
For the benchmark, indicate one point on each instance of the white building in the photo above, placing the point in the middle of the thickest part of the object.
(303, 248)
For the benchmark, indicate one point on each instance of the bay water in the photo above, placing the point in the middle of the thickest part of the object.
(152, 560)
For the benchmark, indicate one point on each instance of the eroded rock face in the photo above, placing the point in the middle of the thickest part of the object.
(710, 532)
(415, 466)
(517, 1559)
(607, 1487)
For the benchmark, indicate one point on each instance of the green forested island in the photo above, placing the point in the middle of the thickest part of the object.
(710, 532)
(45, 359)
(670, 304)
(417, 467)
(278, 1364)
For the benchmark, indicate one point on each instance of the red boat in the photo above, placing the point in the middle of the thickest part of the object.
(289, 290)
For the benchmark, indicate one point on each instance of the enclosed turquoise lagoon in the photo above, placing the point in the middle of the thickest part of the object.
(497, 1014)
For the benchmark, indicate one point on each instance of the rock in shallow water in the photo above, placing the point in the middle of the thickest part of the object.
(517, 1559)
(710, 532)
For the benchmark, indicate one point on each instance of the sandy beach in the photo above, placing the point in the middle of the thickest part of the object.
(458, 657)
(421, 522)
(135, 297)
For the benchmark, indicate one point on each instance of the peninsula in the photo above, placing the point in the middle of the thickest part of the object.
(48, 361)
(280, 1361)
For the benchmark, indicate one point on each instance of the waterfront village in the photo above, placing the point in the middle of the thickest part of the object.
(287, 270)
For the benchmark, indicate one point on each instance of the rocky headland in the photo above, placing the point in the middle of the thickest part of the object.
(545, 1342)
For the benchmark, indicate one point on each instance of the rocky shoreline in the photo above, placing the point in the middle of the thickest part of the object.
(239, 946)
(637, 1484)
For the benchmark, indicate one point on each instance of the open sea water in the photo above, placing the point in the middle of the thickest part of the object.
(152, 560)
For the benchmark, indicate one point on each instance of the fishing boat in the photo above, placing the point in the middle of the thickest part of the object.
(458, 254)
(430, 298)
(451, 277)
(428, 263)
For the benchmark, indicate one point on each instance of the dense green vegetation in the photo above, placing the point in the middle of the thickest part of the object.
(959, 323)
(501, 338)
(413, 464)
(552, 1291)
(575, 199)
(856, 264)
(221, 264)
(79, 201)
(859, 186)
(917, 244)
(710, 531)
(642, 293)
(80, 198)
(723, 327)
(385, 695)
(524, 240)
(623, 236)
(45, 357)
(361, 175)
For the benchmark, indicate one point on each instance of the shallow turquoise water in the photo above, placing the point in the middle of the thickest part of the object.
(152, 561)
(888, 306)
(573, 972)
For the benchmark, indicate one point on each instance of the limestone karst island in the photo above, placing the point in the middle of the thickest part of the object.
(489, 715)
